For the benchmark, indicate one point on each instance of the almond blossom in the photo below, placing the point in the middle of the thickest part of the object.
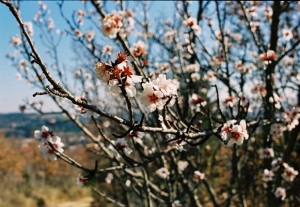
(43, 135)
(118, 75)
(198, 176)
(89, 36)
(259, 88)
(46, 149)
(80, 180)
(242, 68)
(120, 144)
(162, 172)
(268, 57)
(292, 116)
(277, 163)
(197, 101)
(16, 40)
(287, 34)
(210, 76)
(182, 164)
(277, 130)
(267, 153)
(193, 24)
(111, 25)
(233, 133)
(280, 193)
(229, 101)
(267, 175)
(77, 33)
(50, 24)
(29, 28)
(107, 49)
(151, 98)
(289, 173)
(159, 92)
(102, 72)
(139, 49)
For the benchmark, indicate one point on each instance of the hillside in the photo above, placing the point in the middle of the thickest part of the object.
(22, 125)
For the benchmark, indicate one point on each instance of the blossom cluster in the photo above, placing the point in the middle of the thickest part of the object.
(291, 117)
(117, 75)
(233, 133)
(268, 57)
(111, 25)
(289, 174)
(49, 143)
(159, 93)
(193, 24)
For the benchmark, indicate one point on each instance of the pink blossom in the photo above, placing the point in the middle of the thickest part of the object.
(89, 36)
(80, 180)
(280, 193)
(139, 49)
(182, 164)
(111, 25)
(46, 149)
(107, 49)
(287, 34)
(267, 175)
(210, 76)
(259, 88)
(163, 172)
(193, 24)
(234, 134)
(198, 176)
(101, 72)
(29, 28)
(50, 23)
(289, 173)
(16, 40)
(77, 33)
(277, 130)
(267, 153)
(151, 98)
(197, 101)
(277, 163)
(292, 117)
(44, 134)
(268, 56)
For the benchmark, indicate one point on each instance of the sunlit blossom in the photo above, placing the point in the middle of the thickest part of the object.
(139, 49)
(234, 133)
(151, 98)
(47, 151)
(111, 25)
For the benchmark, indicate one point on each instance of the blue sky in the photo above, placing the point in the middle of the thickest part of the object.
(14, 92)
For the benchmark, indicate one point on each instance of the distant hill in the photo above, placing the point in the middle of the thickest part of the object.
(22, 125)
